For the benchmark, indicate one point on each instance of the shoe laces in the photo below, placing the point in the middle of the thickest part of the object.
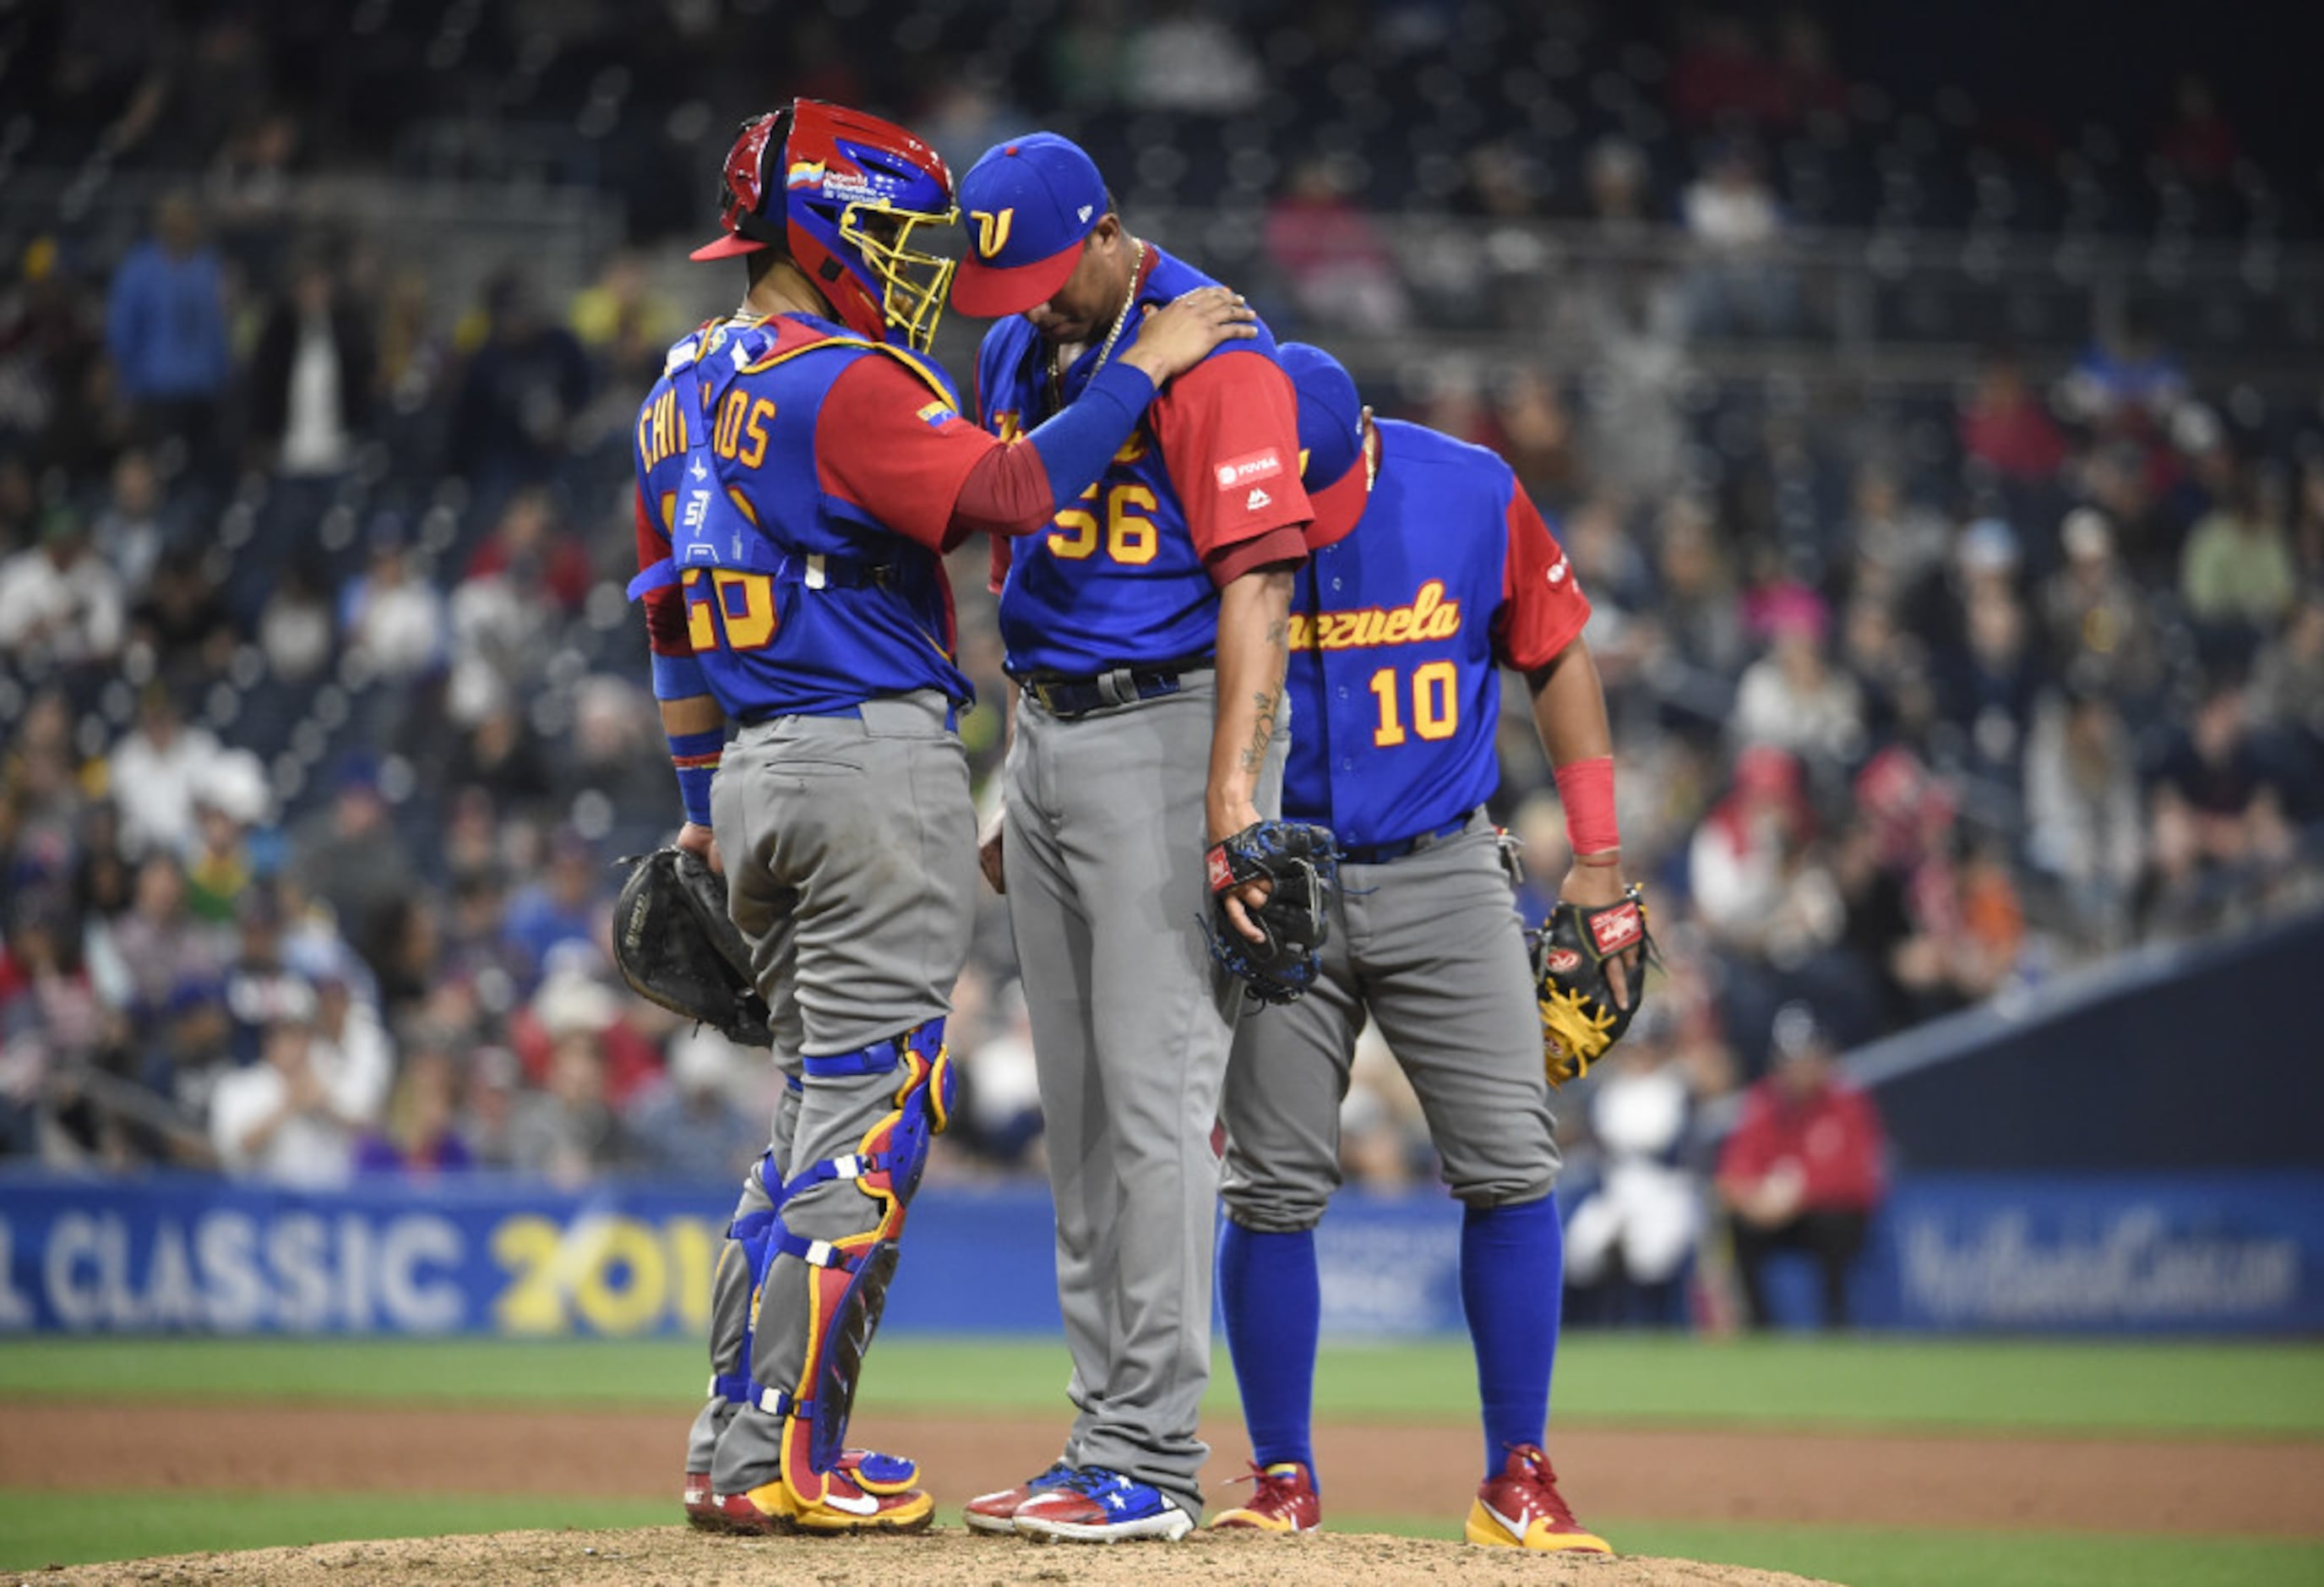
(1541, 1480)
(1090, 1480)
(1282, 1481)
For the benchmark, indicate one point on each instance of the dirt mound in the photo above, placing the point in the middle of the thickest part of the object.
(673, 1557)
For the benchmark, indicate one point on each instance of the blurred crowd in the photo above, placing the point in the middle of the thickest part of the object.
(323, 719)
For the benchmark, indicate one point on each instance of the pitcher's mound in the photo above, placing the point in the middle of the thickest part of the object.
(948, 1556)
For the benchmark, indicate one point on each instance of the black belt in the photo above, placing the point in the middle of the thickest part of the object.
(1380, 854)
(1078, 696)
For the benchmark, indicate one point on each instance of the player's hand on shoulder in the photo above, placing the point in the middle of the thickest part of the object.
(1174, 339)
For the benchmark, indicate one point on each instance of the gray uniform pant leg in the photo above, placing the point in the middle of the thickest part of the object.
(1132, 1026)
(1435, 951)
(730, 1295)
(850, 858)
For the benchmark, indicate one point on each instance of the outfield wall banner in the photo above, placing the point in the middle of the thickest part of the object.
(2211, 1253)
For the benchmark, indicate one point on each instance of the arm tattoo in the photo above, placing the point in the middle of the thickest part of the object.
(1278, 641)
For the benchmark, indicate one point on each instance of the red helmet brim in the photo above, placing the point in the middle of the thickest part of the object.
(733, 245)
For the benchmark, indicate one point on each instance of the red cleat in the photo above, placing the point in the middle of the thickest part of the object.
(1522, 1509)
(1283, 1500)
(701, 1504)
(997, 1511)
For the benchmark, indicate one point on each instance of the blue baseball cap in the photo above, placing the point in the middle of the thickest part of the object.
(1028, 205)
(1331, 440)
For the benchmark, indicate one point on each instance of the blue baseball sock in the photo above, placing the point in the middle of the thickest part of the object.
(1512, 1280)
(1273, 1301)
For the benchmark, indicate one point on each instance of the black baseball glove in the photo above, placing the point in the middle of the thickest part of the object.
(1302, 867)
(1580, 1016)
(677, 947)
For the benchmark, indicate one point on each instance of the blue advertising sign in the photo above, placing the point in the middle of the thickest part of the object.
(2207, 1254)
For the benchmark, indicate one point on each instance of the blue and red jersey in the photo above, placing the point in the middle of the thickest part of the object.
(796, 489)
(1398, 632)
(1204, 490)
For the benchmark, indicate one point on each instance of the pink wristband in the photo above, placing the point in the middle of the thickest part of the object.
(1587, 790)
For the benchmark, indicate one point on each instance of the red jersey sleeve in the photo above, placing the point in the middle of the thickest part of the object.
(1543, 608)
(885, 441)
(1228, 429)
(666, 632)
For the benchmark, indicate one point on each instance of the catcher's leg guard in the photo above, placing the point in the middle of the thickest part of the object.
(849, 1277)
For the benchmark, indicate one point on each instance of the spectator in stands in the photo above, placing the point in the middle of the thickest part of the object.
(2085, 828)
(489, 1104)
(289, 1119)
(348, 854)
(568, 1133)
(2100, 629)
(2199, 144)
(295, 628)
(564, 907)
(358, 1051)
(1718, 77)
(2126, 380)
(1792, 697)
(2005, 425)
(129, 530)
(1629, 1236)
(422, 1137)
(1802, 1171)
(1802, 82)
(2288, 688)
(311, 376)
(686, 1125)
(40, 796)
(621, 319)
(1733, 220)
(180, 626)
(1001, 1094)
(393, 617)
(2238, 569)
(1338, 265)
(53, 1026)
(1700, 615)
(1990, 682)
(1750, 868)
(166, 330)
(1617, 177)
(1189, 62)
(156, 772)
(61, 606)
(2219, 828)
(523, 388)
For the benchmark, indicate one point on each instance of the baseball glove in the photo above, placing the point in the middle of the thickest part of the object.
(1302, 867)
(677, 947)
(1580, 1016)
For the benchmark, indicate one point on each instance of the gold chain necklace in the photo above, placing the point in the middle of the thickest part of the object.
(1105, 349)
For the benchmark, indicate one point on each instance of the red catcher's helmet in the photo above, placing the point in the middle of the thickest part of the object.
(841, 193)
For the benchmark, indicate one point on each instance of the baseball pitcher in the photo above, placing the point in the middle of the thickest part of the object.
(1146, 631)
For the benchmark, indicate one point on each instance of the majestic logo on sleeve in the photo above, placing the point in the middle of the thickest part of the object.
(1430, 617)
(1557, 571)
(991, 231)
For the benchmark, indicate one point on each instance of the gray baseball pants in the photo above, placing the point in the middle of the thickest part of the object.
(1431, 945)
(850, 846)
(1131, 1024)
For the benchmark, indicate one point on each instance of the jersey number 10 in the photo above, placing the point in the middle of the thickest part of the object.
(1435, 703)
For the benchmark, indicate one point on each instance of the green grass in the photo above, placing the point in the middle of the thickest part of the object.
(39, 1529)
(2223, 1389)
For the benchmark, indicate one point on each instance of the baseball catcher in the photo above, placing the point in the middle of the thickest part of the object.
(677, 947)
(1297, 864)
(1589, 970)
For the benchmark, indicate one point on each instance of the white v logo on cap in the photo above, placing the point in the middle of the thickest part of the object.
(1083, 213)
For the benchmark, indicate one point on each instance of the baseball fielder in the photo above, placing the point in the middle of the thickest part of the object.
(800, 468)
(1146, 631)
(1430, 569)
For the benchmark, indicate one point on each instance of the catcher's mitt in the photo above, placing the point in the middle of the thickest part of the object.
(675, 946)
(1302, 867)
(1580, 1018)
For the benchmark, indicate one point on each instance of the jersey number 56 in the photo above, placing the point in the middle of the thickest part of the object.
(1130, 537)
